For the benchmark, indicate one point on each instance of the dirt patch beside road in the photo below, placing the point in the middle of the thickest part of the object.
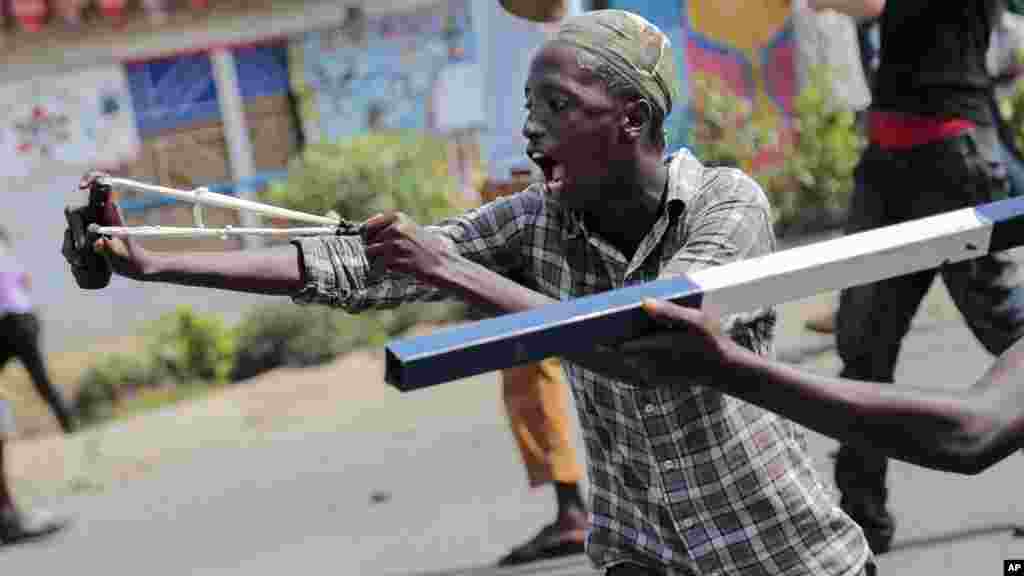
(286, 399)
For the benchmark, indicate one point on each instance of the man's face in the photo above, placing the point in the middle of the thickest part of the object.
(572, 126)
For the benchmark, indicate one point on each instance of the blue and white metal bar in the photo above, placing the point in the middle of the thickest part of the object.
(616, 316)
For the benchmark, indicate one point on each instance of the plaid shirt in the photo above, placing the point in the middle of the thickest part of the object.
(683, 478)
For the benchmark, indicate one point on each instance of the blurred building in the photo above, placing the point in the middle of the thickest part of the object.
(221, 93)
(218, 93)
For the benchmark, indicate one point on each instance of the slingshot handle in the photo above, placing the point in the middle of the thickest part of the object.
(91, 270)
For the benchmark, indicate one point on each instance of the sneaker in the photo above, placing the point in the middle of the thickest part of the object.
(551, 542)
(16, 526)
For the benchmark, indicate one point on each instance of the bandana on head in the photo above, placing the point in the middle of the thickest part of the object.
(630, 44)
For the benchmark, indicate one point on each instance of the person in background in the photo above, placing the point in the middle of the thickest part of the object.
(932, 147)
(19, 338)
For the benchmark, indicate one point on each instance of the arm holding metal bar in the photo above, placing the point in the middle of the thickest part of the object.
(965, 432)
(768, 280)
(720, 231)
(490, 291)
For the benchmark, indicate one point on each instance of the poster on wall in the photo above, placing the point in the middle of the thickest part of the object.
(262, 70)
(386, 71)
(82, 119)
(170, 93)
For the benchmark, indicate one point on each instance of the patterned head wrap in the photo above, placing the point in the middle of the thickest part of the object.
(631, 45)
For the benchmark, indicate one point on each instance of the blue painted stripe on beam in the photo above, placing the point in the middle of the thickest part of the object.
(1007, 224)
(568, 327)
(514, 339)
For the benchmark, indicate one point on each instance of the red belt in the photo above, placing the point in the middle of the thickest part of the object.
(896, 130)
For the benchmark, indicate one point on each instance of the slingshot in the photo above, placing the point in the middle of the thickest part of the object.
(92, 271)
(200, 197)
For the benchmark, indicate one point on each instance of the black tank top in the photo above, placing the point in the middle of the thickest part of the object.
(933, 58)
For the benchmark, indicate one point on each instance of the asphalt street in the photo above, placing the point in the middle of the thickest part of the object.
(431, 481)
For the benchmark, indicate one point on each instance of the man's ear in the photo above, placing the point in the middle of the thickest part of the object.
(637, 116)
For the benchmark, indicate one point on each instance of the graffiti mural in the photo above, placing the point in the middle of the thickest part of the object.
(748, 44)
(379, 71)
(81, 119)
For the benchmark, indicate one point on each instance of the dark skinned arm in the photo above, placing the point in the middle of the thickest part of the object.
(274, 271)
(964, 432)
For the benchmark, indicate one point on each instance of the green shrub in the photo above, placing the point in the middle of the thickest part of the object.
(723, 131)
(109, 381)
(816, 181)
(291, 335)
(370, 173)
(1011, 107)
(812, 186)
(183, 348)
(192, 347)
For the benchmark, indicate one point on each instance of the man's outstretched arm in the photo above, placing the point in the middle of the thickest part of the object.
(274, 271)
(964, 432)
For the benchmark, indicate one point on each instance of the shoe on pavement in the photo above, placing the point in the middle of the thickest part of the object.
(16, 526)
(551, 542)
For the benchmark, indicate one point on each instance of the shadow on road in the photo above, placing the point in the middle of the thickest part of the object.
(956, 535)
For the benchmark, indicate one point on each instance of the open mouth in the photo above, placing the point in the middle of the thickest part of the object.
(554, 171)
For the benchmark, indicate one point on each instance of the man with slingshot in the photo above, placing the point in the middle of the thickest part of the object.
(685, 480)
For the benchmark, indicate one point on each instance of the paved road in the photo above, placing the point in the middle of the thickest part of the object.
(431, 481)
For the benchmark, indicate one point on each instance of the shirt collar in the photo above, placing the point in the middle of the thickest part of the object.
(681, 185)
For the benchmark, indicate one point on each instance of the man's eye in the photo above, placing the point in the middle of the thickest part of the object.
(558, 104)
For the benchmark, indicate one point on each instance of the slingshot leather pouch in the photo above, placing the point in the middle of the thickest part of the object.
(91, 270)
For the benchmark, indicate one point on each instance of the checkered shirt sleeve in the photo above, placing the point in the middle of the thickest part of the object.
(337, 273)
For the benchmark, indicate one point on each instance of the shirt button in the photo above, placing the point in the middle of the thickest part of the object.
(668, 465)
(649, 409)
